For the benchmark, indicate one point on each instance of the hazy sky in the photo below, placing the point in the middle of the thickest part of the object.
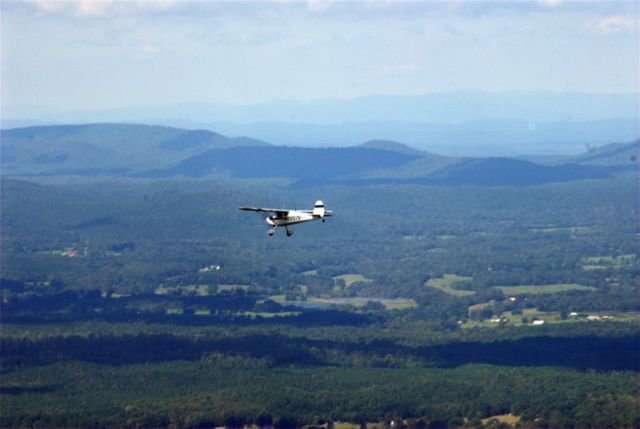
(100, 54)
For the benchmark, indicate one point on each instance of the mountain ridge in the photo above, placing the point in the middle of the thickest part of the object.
(149, 151)
(446, 107)
(391, 146)
(125, 147)
(611, 154)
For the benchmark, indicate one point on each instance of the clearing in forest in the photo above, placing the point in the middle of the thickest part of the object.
(350, 279)
(592, 263)
(538, 289)
(446, 283)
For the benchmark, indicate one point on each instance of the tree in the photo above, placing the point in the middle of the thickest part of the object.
(438, 424)
(56, 284)
(234, 422)
(264, 420)
(286, 422)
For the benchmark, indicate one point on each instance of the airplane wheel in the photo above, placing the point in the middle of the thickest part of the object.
(289, 233)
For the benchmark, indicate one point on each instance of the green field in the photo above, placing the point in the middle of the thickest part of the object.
(389, 304)
(446, 237)
(276, 298)
(508, 419)
(231, 288)
(549, 317)
(400, 304)
(350, 279)
(120, 295)
(537, 289)
(530, 314)
(446, 282)
(200, 290)
(509, 318)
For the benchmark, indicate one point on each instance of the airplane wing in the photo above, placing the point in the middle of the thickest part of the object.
(278, 212)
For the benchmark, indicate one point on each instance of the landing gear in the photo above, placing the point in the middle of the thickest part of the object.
(323, 220)
(289, 232)
(271, 232)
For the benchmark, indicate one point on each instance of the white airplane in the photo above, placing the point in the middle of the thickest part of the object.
(284, 217)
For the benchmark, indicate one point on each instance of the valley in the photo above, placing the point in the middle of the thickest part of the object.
(442, 291)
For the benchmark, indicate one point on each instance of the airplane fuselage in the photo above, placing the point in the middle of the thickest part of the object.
(291, 218)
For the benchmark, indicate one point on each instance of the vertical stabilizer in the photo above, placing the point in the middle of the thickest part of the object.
(318, 208)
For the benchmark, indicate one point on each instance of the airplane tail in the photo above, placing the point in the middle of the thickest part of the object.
(318, 209)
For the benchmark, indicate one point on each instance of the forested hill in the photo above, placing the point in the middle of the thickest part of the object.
(121, 136)
(353, 167)
(485, 172)
(512, 172)
(104, 148)
(145, 151)
(611, 154)
(392, 146)
(290, 162)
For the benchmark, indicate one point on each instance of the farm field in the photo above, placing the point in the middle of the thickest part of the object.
(200, 290)
(508, 419)
(350, 279)
(537, 289)
(389, 303)
(527, 316)
(446, 282)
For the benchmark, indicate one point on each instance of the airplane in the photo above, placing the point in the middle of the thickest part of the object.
(285, 218)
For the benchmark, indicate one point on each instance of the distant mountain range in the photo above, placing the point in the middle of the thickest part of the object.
(455, 123)
(508, 137)
(446, 108)
(491, 172)
(286, 162)
(611, 154)
(142, 151)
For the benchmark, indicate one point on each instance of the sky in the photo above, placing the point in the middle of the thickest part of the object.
(98, 54)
